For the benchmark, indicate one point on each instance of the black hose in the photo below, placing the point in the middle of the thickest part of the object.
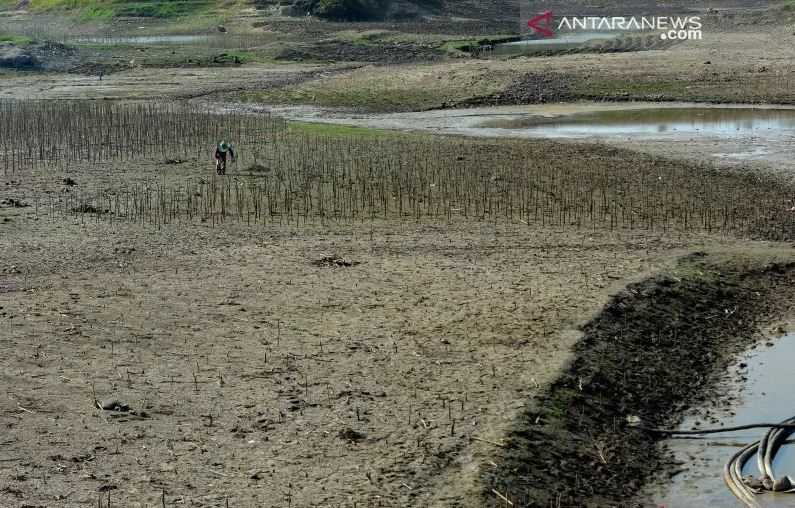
(790, 426)
(765, 450)
(732, 476)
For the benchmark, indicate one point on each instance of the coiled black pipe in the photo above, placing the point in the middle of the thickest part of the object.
(765, 450)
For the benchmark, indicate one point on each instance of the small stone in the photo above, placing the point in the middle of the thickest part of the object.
(754, 483)
(767, 483)
(633, 420)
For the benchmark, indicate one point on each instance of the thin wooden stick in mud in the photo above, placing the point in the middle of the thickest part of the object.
(475, 438)
(497, 493)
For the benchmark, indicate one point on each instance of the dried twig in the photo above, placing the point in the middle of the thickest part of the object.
(502, 497)
(475, 438)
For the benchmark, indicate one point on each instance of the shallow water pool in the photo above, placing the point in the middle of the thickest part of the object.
(570, 38)
(144, 39)
(722, 122)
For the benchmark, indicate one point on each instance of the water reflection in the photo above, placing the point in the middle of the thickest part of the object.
(721, 122)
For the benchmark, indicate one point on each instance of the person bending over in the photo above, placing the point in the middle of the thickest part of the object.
(220, 156)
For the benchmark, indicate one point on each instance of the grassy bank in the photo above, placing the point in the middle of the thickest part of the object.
(18, 40)
(105, 9)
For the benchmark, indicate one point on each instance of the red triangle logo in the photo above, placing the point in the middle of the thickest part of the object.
(542, 24)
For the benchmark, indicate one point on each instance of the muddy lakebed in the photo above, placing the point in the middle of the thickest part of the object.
(729, 134)
(757, 385)
(758, 388)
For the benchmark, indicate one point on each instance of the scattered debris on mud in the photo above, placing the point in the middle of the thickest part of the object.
(257, 168)
(86, 208)
(8, 286)
(13, 203)
(341, 51)
(352, 435)
(227, 59)
(334, 262)
(113, 405)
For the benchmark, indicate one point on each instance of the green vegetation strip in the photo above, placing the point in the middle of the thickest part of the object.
(110, 8)
(19, 40)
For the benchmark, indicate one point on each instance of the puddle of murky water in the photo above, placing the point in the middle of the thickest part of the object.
(559, 42)
(743, 155)
(143, 39)
(570, 38)
(722, 122)
(691, 131)
(768, 395)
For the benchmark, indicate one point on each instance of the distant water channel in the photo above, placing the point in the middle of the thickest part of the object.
(721, 122)
(144, 39)
(559, 42)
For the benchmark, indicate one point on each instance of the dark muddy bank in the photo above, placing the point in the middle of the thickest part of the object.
(342, 51)
(38, 56)
(654, 350)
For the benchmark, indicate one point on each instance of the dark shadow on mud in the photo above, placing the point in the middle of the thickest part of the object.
(653, 351)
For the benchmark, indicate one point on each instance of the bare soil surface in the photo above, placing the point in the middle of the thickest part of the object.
(253, 372)
(734, 63)
(149, 83)
(329, 365)
(387, 363)
(730, 64)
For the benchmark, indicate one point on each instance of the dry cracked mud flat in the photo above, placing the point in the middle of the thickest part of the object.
(253, 372)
